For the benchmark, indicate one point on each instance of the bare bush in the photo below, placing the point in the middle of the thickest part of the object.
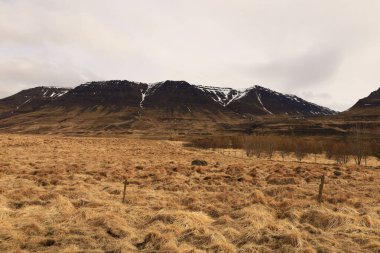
(270, 147)
(356, 145)
(360, 148)
(315, 148)
(338, 151)
(284, 147)
(300, 149)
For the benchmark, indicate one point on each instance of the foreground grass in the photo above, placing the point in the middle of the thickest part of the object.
(64, 195)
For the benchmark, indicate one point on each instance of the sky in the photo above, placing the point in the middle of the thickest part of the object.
(325, 51)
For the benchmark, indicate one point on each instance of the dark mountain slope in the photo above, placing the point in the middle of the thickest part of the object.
(124, 107)
(262, 101)
(367, 106)
(30, 100)
(172, 96)
(111, 95)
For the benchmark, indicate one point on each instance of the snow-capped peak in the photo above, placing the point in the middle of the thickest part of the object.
(254, 97)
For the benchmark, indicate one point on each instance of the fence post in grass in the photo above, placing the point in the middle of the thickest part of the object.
(125, 189)
(321, 188)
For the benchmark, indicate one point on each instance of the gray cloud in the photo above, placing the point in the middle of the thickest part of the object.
(316, 66)
(23, 73)
(292, 46)
(314, 95)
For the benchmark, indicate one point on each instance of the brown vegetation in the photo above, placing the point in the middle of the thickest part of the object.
(356, 146)
(65, 195)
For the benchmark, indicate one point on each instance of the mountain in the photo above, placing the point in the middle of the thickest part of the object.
(260, 100)
(30, 100)
(125, 106)
(367, 106)
(178, 95)
(111, 95)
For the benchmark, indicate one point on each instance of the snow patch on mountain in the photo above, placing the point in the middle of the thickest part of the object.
(261, 102)
(27, 101)
(225, 96)
(322, 110)
(152, 87)
(143, 94)
(221, 95)
(53, 92)
(218, 94)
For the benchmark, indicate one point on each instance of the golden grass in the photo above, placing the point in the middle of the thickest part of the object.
(62, 194)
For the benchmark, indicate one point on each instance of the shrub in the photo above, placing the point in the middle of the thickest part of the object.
(199, 163)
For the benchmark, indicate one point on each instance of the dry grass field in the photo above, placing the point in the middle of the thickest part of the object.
(63, 194)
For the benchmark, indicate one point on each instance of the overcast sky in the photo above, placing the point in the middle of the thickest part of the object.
(325, 51)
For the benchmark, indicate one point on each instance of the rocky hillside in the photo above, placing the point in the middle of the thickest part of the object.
(30, 100)
(173, 95)
(126, 106)
(367, 106)
(260, 100)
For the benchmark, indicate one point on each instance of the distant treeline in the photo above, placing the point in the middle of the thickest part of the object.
(357, 145)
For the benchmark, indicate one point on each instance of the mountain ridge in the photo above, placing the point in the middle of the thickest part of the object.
(124, 106)
(367, 105)
(222, 95)
(31, 99)
(167, 107)
(252, 100)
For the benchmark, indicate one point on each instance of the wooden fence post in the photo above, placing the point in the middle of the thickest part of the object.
(125, 189)
(321, 188)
